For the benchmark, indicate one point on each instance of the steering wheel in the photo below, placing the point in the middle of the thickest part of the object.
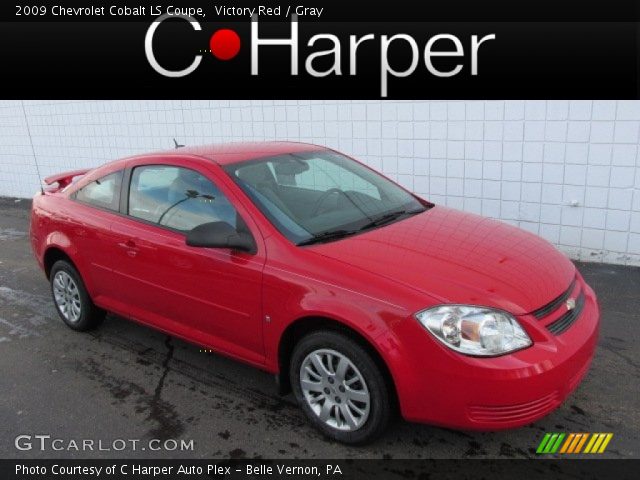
(324, 196)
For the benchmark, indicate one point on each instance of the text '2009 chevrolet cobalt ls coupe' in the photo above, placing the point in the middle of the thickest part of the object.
(361, 297)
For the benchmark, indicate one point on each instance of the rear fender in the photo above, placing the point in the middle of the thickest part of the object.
(61, 242)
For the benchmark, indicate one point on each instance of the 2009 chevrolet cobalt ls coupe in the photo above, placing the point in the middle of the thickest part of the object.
(361, 297)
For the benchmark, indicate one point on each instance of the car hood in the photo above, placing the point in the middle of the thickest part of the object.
(458, 257)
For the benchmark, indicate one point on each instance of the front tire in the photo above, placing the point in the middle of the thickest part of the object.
(340, 387)
(71, 298)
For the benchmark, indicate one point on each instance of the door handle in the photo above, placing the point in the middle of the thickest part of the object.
(130, 247)
(127, 244)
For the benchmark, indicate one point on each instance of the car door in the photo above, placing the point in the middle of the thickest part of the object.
(208, 295)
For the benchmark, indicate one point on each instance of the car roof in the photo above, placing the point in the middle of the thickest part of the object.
(228, 153)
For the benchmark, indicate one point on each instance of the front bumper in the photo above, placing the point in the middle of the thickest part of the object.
(439, 386)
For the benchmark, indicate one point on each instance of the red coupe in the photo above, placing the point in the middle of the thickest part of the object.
(358, 295)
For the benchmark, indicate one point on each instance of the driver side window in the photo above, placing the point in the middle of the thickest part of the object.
(177, 198)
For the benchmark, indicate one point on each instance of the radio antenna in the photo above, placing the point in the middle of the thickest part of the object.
(33, 150)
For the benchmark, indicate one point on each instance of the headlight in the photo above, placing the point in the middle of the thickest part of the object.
(474, 330)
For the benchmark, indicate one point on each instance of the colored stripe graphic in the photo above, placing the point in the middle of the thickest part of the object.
(592, 440)
(583, 439)
(573, 443)
(605, 443)
(555, 447)
(578, 440)
(543, 443)
(550, 443)
(596, 445)
(567, 443)
(598, 442)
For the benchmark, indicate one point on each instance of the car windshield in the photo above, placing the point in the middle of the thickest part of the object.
(320, 196)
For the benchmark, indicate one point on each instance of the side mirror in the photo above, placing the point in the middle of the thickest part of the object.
(220, 235)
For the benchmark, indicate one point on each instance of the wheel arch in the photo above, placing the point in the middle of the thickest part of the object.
(52, 254)
(308, 324)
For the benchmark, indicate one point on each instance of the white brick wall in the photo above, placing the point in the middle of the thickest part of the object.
(566, 170)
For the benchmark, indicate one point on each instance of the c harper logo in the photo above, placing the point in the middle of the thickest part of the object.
(442, 55)
(574, 443)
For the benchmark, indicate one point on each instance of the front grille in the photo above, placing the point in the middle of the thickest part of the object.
(566, 318)
(565, 321)
(518, 412)
(554, 304)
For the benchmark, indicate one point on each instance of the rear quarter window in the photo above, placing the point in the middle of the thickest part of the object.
(103, 192)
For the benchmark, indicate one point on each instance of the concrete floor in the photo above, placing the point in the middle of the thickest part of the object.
(125, 381)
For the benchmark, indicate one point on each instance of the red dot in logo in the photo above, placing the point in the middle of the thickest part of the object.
(224, 44)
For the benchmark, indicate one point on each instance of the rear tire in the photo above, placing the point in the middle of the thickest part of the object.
(71, 298)
(340, 387)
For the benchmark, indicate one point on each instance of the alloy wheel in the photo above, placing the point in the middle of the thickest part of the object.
(335, 390)
(67, 296)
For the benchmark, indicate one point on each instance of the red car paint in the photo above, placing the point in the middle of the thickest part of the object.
(241, 304)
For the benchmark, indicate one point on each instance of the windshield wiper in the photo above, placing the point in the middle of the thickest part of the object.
(326, 236)
(389, 217)
(376, 222)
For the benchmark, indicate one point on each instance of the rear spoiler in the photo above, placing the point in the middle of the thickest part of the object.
(65, 178)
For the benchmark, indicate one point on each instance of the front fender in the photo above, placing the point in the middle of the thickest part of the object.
(288, 298)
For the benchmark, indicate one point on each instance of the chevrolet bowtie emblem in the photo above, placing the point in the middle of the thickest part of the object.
(571, 304)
